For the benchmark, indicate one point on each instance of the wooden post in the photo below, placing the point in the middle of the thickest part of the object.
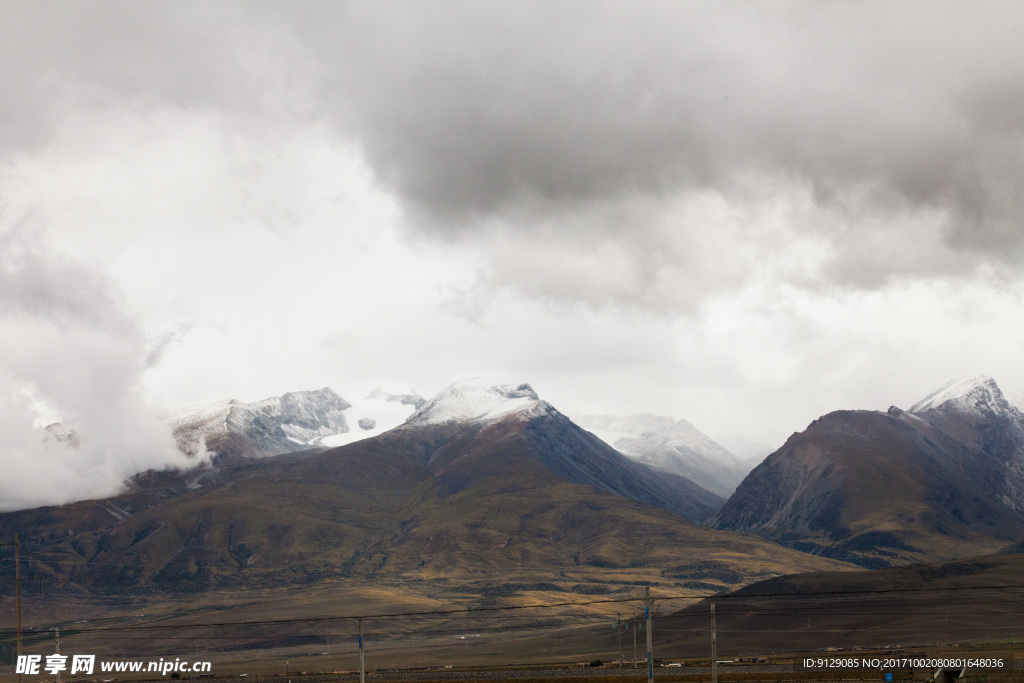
(648, 601)
(714, 647)
(362, 667)
(17, 582)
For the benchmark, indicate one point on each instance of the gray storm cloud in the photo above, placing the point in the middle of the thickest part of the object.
(521, 115)
(67, 351)
(484, 108)
(521, 110)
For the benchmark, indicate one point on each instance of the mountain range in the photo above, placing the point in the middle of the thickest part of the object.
(302, 420)
(311, 419)
(480, 482)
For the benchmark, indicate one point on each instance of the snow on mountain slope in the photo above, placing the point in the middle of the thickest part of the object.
(193, 425)
(671, 446)
(973, 395)
(303, 417)
(370, 416)
(274, 425)
(476, 400)
(199, 413)
(286, 423)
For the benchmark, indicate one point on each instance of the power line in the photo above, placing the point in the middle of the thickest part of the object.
(734, 597)
(510, 608)
(349, 617)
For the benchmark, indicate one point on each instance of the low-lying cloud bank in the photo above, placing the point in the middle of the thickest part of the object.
(67, 353)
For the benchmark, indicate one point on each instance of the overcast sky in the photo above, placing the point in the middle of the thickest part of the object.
(742, 214)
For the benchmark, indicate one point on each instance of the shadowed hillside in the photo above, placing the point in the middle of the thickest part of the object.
(974, 600)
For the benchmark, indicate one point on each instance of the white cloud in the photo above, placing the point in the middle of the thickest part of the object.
(67, 352)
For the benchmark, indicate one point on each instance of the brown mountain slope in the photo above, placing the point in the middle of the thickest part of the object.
(878, 489)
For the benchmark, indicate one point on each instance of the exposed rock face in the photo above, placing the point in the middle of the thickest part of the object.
(280, 424)
(367, 423)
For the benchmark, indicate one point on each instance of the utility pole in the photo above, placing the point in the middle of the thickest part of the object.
(648, 602)
(635, 629)
(714, 647)
(618, 629)
(362, 668)
(57, 648)
(17, 581)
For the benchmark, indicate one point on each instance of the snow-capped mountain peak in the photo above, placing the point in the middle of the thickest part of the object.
(476, 400)
(973, 395)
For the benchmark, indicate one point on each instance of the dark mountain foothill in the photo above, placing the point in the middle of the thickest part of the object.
(972, 600)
